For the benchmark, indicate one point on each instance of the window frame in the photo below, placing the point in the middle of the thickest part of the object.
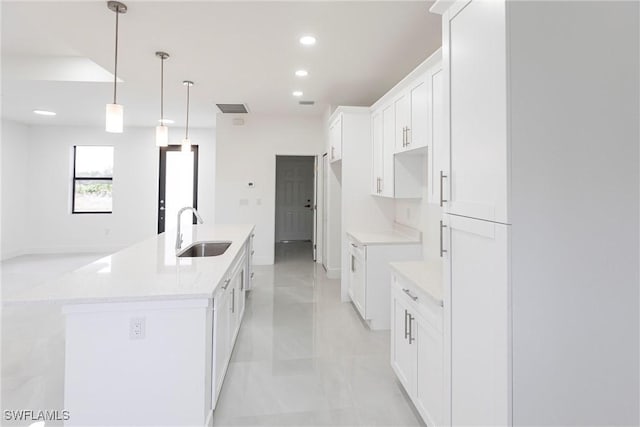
(74, 178)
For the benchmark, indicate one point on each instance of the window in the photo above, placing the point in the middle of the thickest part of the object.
(92, 179)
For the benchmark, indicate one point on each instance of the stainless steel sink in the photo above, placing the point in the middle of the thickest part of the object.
(203, 249)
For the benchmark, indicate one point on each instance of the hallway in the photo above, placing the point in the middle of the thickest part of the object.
(304, 358)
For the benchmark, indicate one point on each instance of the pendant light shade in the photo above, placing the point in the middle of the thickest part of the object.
(162, 136)
(162, 131)
(186, 142)
(114, 118)
(115, 114)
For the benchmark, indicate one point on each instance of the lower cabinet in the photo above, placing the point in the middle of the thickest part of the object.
(228, 310)
(369, 274)
(417, 355)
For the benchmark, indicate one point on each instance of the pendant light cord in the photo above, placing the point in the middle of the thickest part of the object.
(115, 68)
(162, 91)
(187, 127)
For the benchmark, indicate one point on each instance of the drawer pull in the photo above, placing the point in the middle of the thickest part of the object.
(406, 291)
(226, 284)
(442, 199)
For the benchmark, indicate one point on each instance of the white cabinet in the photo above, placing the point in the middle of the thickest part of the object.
(357, 277)
(386, 187)
(377, 146)
(438, 157)
(417, 355)
(369, 276)
(402, 106)
(228, 310)
(477, 259)
(335, 139)
(402, 133)
(249, 270)
(412, 116)
(478, 105)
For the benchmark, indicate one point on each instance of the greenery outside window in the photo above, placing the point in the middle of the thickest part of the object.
(92, 179)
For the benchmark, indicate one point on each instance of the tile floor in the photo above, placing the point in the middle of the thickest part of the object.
(302, 357)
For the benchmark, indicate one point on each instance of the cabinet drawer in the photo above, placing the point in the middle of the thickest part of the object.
(420, 301)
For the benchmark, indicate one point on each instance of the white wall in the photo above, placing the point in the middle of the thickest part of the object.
(426, 218)
(13, 193)
(52, 227)
(248, 153)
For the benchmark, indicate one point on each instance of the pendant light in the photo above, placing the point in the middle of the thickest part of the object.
(114, 117)
(186, 143)
(162, 131)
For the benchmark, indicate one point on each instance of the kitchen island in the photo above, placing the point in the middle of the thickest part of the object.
(149, 335)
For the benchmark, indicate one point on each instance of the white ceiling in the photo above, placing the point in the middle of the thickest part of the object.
(59, 56)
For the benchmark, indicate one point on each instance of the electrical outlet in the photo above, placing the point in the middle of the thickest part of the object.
(137, 328)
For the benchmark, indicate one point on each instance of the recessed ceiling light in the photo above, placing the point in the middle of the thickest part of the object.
(297, 93)
(44, 112)
(308, 40)
(302, 73)
(166, 121)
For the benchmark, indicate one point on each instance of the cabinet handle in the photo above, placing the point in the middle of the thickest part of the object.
(404, 136)
(442, 177)
(381, 185)
(352, 262)
(226, 284)
(333, 155)
(233, 300)
(442, 249)
(408, 139)
(411, 338)
(406, 331)
(406, 291)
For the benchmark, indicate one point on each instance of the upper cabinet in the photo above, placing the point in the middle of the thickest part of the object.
(478, 178)
(335, 139)
(412, 116)
(404, 132)
(438, 159)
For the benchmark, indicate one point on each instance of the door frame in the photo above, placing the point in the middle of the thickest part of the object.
(314, 200)
(162, 175)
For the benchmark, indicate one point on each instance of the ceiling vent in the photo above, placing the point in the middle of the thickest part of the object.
(306, 102)
(233, 108)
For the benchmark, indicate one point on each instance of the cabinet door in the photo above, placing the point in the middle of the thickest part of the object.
(388, 142)
(402, 110)
(335, 138)
(403, 352)
(439, 150)
(377, 150)
(478, 138)
(430, 373)
(479, 310)
(417, 129)
(221, 339)
(358, 283)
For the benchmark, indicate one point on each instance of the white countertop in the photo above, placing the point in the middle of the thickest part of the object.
(399, 235)
(425, 275)
(146, 271)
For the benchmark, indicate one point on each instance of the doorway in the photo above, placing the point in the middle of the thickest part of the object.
(178, 185)
(295, 200)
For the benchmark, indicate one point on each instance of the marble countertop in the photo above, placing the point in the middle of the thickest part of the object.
(425, 275)
(399, 235)
(146, 271)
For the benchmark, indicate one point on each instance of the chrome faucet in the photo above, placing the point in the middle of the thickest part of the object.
(179, 235)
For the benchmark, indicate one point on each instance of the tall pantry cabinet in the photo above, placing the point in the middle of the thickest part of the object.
(540, 327)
